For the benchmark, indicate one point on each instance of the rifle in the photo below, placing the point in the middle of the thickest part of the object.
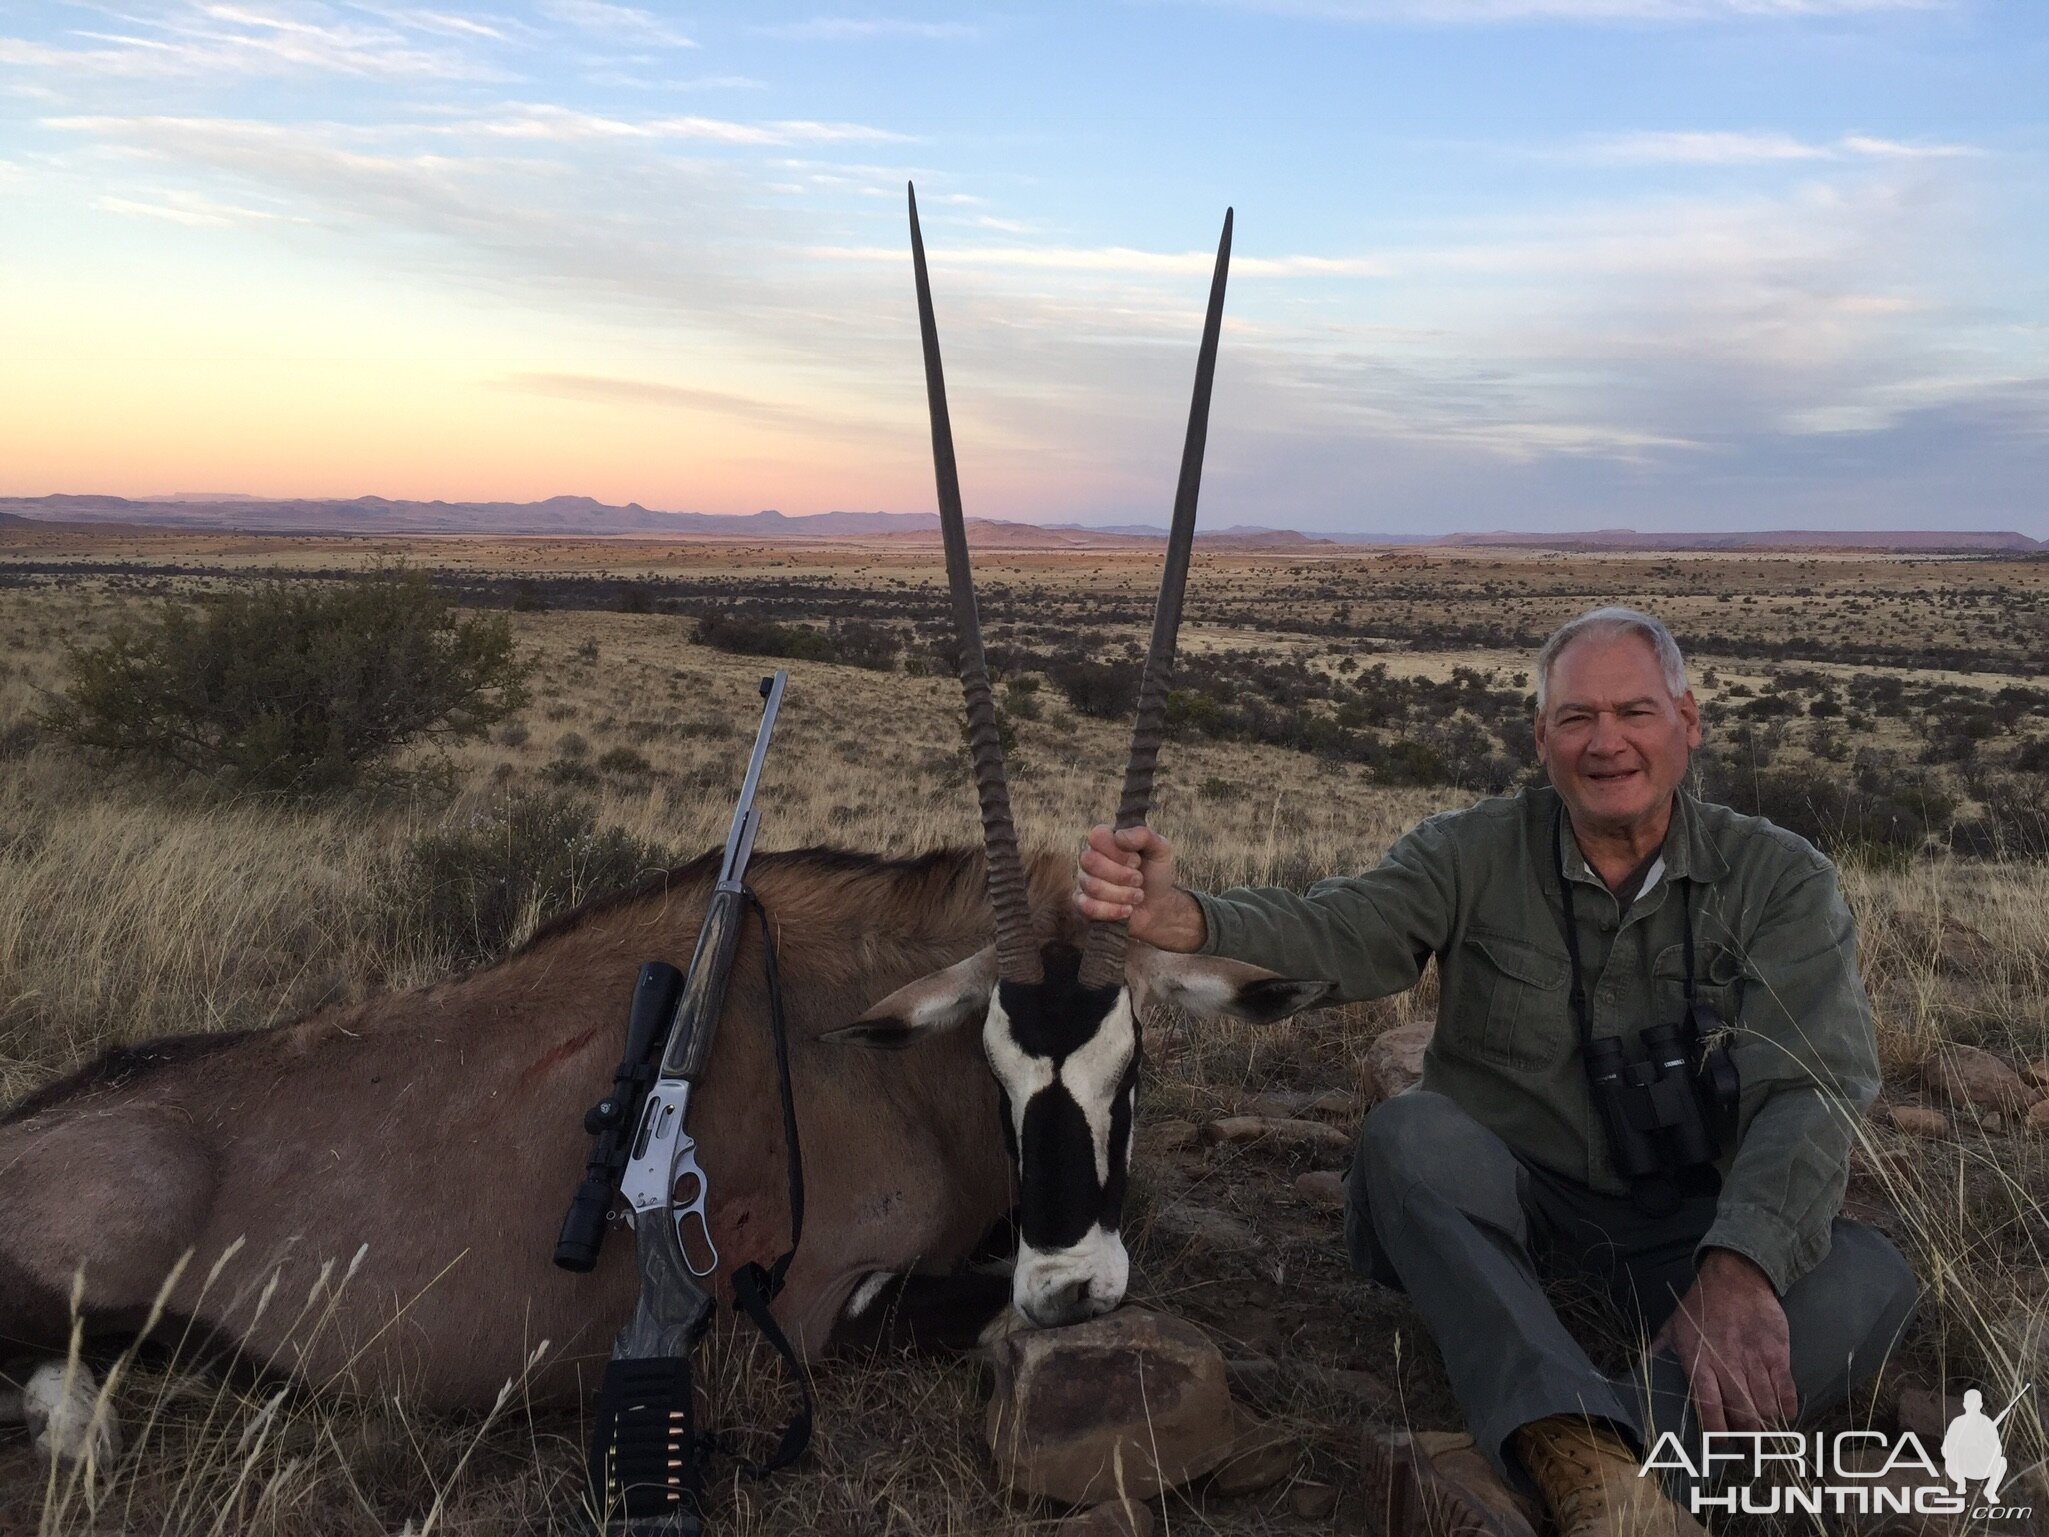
(646, 1454)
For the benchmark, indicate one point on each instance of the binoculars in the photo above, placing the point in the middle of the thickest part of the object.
(1662, 1114)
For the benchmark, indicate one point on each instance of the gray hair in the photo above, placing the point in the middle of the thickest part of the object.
(1603, 622)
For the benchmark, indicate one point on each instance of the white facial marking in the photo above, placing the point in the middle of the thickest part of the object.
(866, 1293)
(1091, 1075)
(1021, 1074)
(1046, 1280)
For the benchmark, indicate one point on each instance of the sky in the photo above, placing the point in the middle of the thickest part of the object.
(1498, 264)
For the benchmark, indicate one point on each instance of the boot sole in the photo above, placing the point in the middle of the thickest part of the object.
(1406, 1497)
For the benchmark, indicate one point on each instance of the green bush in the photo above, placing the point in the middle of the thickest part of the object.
(473, 891)
(292, 688)
(849, 642)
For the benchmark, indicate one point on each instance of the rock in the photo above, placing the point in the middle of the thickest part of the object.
(1256, 1128)
(1169, 1136)
(1115, 1518)
(1919, 1121)
(2037, 1118)
(1321, 1187)
(1967, 1076)
(1394, 1061)
(1289, 1103)
(1927, 1413)
(2037, 1073)
(1132, 1394)
(1312, 1502)
(1261, 1457)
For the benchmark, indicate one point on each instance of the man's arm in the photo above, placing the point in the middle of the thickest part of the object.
(1809, 1062)
(1368, 934)
(1810, 1067)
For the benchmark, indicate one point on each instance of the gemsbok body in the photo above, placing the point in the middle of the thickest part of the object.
(368, 1199)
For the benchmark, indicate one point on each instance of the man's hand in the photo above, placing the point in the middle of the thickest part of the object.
(1130, 874)
(1729, 1332)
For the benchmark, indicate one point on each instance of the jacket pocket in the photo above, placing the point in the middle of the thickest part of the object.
(1718, 976)
(1522, 988)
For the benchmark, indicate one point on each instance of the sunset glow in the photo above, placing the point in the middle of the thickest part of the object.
(1540, 264)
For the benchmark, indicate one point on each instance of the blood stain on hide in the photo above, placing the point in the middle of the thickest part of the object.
(557, 1055)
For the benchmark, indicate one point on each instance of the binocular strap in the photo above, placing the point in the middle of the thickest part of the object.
(1581, 1016)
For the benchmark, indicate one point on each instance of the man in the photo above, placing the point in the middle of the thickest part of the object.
(1762, 1306)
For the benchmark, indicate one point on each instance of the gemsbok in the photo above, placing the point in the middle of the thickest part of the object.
(367, 1199)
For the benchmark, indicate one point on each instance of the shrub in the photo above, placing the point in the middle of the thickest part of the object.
(293, 688)
(1877, 809)
(475, 890)
(624, 760)
(849, 641)
(744, 635)
(1097, 688)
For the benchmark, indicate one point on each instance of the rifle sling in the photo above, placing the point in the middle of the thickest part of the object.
(755, 1287)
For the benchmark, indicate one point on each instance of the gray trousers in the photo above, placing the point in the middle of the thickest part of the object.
(1440, 1207)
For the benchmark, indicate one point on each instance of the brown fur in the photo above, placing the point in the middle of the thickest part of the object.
(442, 1128)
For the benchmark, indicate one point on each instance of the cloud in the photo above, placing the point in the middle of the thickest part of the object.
(209, 41)
(544, 122)
(836, 29)
(190, 209)
(609, 390)
(1861, 144)
(497, 29)
(615, 21)
(1483, 12)
(1752, 148)
(1112, 259)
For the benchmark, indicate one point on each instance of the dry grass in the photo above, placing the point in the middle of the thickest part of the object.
(127, 910)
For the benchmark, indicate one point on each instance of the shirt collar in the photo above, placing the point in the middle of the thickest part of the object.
(1688, 853)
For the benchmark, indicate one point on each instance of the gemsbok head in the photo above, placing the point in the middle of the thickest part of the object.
(1059, 1019)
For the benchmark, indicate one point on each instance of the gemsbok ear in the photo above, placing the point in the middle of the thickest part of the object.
(937, 1001)
(1209, 986)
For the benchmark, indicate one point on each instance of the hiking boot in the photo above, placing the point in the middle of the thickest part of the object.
(1435, 1485)
(1589, 1478)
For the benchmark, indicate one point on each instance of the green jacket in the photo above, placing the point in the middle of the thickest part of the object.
(1776, 958)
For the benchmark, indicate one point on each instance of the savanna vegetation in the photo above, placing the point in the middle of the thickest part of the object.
(1892, 710)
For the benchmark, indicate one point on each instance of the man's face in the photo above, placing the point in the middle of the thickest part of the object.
(1613, 740)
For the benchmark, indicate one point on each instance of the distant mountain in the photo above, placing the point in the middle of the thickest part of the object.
(582, 515)
(378, 515)
(1930, 540)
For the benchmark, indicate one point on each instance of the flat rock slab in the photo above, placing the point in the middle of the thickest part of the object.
(1258, 1128)
(1394, 1060)
(1965, 1075)
(1291, 1103)
(1115, 1409)
(1920, 1121)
